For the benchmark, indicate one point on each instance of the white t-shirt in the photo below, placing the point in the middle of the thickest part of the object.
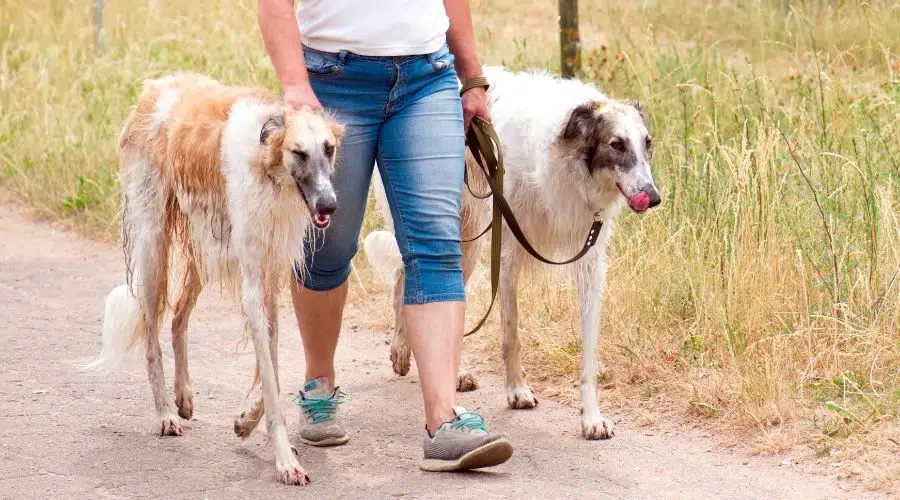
(373, 27)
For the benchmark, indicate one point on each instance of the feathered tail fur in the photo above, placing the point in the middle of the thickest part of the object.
(380, 246)
(121, 320)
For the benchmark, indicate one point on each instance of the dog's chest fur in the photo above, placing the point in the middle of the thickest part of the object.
(272, 218)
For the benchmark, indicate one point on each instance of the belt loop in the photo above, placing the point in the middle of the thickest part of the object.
(342, 56)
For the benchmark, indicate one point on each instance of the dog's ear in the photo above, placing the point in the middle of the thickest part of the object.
(274, 123)
(337, 130)
(640, 109)
(581, 121)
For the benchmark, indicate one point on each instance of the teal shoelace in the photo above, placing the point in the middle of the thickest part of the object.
(320, 410)
(469, 422)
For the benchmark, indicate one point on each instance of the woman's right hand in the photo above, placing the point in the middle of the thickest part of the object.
(301, 95)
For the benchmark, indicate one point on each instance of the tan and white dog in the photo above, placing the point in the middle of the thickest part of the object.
(218, 183)
(571, 154)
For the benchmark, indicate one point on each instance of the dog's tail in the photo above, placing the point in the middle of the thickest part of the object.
(121, 319)
(383, 255)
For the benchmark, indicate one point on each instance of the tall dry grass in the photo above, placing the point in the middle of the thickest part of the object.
(765, 291)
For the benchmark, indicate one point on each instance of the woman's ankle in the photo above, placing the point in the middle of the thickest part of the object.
(435, 418)
(316, 374)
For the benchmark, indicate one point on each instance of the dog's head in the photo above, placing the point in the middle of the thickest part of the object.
(612, 143)
(300, 148)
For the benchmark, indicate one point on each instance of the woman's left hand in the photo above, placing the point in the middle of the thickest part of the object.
(474, 103)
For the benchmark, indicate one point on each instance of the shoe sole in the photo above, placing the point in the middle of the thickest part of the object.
(336, 441)
(489, 455)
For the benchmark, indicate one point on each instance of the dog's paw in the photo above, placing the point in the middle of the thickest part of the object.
(400, 358)
(596, 426)
(292, 473)
(520, 397)
(185, 402)
(466, 382)
(245, 424)
(169, 426)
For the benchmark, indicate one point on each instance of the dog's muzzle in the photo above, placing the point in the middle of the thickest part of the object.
(325, 206)
(322, 203)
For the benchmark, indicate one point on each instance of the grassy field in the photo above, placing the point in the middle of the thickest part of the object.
(763, 295)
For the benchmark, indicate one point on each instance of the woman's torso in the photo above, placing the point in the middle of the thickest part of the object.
(373, 28)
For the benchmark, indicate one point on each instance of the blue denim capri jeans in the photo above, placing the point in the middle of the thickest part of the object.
(405, 114)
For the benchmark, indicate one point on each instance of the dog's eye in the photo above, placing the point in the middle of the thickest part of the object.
(301, 155)
(329, 149)
(618, 145)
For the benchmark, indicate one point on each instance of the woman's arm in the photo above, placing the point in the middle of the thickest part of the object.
(461, 39)
(282, 39)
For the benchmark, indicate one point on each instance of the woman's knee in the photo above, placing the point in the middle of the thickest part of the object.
(327, 263)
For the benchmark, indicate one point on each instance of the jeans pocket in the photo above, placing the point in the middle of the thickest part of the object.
(442, 59)
(321, 64)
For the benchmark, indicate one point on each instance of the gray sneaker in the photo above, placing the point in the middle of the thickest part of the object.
(320, 424)
(464, 443)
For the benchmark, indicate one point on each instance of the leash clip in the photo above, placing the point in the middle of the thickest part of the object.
(598, 216)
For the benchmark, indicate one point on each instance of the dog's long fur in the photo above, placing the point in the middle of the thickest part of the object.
(570, 153)
(222, 182)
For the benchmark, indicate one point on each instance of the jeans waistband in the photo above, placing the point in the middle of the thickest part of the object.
(346, 55)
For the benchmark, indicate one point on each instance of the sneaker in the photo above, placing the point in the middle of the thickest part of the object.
(464, 443)
(319, 421)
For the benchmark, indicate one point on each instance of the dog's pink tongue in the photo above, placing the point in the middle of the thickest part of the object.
(639, 202)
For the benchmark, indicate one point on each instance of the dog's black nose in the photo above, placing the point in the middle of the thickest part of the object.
(326, 205)
(654, 195)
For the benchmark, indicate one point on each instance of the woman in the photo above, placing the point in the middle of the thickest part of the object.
(388, 70)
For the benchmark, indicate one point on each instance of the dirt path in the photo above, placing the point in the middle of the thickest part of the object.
(64, 433)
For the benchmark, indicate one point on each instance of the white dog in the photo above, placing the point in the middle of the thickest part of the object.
(224, 183)
(571, 154)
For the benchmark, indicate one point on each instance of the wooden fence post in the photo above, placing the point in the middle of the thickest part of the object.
(98, 26)
(569, 38)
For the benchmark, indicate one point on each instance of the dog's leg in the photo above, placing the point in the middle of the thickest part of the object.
(247, 422)
(270, 298)
(590, 275)
(167, 422)
(146, 238)
(400, 353)
(253, 292)
(466, 381)
(187, 298)
(150, 281)
(518, 395)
